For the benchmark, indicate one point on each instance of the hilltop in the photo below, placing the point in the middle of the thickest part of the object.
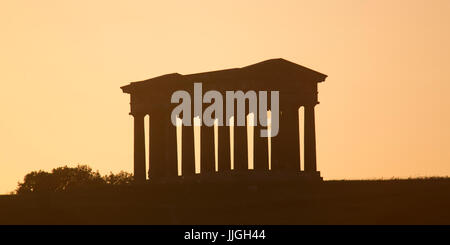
(409, 201)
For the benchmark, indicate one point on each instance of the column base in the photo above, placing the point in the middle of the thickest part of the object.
(249, 177)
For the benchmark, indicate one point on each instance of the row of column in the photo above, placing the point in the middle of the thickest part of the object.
(285, 152)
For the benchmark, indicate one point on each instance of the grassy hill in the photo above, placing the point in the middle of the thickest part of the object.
(411, 201)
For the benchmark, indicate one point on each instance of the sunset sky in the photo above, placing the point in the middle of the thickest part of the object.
(384, 109)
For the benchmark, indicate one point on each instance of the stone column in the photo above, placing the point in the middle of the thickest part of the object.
(207, 151)
(188, 158)
(310, 139)
(285, 146)
(290, 153)
(260, 150)
(224, 149)
(277, 145)
(139, 148)
(170, 135)
(240, 148)
(157, 145)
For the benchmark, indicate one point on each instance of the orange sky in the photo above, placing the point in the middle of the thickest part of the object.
(384, 107)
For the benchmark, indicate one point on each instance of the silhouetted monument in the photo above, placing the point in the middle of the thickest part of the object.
(297, 86)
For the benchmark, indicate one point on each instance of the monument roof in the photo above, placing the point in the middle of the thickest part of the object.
(278, 66)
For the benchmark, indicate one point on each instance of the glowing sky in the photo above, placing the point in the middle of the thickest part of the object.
(384, 107)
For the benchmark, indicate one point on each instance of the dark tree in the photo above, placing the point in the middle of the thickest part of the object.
(122, 178)
(64, 179)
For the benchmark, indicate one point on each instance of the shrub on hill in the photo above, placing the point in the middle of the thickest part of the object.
(65, 179)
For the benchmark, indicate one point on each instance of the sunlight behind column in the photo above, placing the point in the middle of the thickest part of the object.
(269, 131)
(216, 144)
(232, 142)
(197, 143)
(301, 129)
(250, 140)
(179, 129)
(147, 143)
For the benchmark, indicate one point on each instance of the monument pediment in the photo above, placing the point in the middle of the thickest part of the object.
(272, 70)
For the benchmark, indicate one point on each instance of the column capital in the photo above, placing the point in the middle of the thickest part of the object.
(310, 139)
(289, 107)
(138, 114)
(312, 104)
